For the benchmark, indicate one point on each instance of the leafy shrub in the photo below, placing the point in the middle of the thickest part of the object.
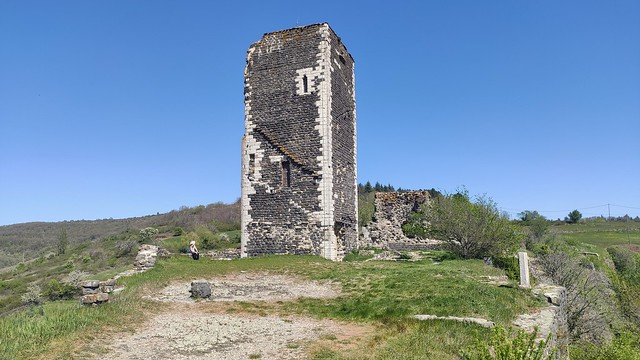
(75, 278)
(125, 247)
(207, 238)
(32, 296)
(471, 229)
(96, 254)
(69, 264)
(505, 344)
(624, 346)
(415, 227)
(625, 261)
(56, 290)
(509, 264)
(366, 208)
(178, 231)
(224, 226)
(147, 234)
(589, 301)
(233, 236)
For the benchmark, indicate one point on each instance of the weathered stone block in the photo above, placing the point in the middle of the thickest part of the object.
(200, 289)
(90, 284)
(88, 290)
(89, 299)
(110, 282)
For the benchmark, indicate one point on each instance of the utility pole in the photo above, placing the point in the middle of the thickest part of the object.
(609, 207)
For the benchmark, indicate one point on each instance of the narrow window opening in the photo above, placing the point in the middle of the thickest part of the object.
(286, 174)
(252, 161)
(305, 84)
(342, 60)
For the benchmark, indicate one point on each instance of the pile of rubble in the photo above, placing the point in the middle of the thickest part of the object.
(96, 292)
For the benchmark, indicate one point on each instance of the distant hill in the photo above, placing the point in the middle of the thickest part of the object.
(27, 241)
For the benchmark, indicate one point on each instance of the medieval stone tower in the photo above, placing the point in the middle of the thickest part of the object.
(299, 148)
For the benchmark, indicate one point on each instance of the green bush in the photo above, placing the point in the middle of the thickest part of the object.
(509, 264)
(207, 238)
(625, 261)
(625, 346)
(223, 226)
(505, 344)
(471, 229)
(32, 295)
(56, 290)
(415, 227)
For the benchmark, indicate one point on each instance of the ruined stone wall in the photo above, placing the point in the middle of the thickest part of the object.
(293, 143)
(392, 211)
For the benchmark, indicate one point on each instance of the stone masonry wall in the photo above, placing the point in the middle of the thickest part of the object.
(344, 146)
(292, 199)
(392, 210)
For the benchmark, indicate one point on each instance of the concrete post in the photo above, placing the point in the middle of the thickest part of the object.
(523, 259)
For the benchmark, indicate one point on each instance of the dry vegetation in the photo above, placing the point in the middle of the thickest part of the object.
(22, 242)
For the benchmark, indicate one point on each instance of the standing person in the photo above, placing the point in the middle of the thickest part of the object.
(195, 254)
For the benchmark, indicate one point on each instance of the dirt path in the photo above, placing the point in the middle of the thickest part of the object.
(202, 330)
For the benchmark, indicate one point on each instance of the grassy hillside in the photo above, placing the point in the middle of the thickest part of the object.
(381, 294)
(22, 242)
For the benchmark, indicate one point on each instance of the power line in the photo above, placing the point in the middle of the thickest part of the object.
(516, 211)
(628, 207)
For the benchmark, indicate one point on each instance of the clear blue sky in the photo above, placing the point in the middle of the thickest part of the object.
(128, 108)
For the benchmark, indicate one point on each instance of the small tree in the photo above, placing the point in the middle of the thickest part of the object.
(573, 217)
(63, 241)
(528, 216)
(147, 234)
(32, 296)
(471, 229)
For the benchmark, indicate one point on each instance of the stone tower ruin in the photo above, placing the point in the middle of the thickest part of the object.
(299, 149)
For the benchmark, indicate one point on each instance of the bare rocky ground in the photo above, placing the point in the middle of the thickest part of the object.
(201, 329)
(247, 286)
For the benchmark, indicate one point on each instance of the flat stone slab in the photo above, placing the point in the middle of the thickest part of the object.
(542, 320)
(478, 321)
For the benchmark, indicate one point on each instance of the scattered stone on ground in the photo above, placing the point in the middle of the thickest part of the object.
(226, 254)
(540, 318)
(481, 322)
(495, 280)
(192, 334)
(550, 321)
(392, 255)
(250, 287)
(146, 258)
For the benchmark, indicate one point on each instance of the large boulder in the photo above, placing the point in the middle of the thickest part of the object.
(200, 289)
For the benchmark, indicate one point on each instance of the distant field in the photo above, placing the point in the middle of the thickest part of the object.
(601, 234)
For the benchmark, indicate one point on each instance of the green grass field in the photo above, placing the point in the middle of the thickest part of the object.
(381, 294)
(601, 234)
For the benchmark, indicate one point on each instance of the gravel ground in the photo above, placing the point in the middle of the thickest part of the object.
(251, 287)
(219, 336)
(199, 330)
